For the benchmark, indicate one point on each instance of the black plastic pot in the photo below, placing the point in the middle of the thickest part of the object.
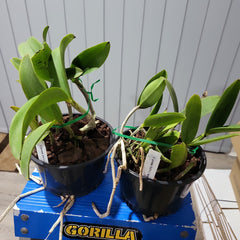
(78, 179)
(157, 197)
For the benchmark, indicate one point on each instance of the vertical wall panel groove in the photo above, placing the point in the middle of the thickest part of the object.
(219, 44)
(197, 51)
(197, 42)
(139, 60)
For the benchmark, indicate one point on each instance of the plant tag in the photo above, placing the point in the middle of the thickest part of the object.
(42, 152)
(151, 164)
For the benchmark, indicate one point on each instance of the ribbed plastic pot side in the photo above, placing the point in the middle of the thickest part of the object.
(157, 197)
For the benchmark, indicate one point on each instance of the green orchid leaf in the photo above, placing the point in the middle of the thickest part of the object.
(152, 93)
(29, 143)
(173, 96)
(31, 84)
(157, 77)
(230, 128)
(59, 65)
(44, 34)
(33, 125)
(16, 62)
(208, 104)
(163, 119)
(30, 47)
(152, 133)
(191, 123)
(163, 74)
(178, 155)
(40, 62)
(27, 113)
(215, 139)
(170, 138)
(73, 72)
(224, 106)
(157, 106)
(92, 58)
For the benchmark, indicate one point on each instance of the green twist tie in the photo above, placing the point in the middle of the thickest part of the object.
(73, 120)
(90, 96)
(191, 151)
(139, 139)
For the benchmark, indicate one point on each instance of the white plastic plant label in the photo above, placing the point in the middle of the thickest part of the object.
(42, 152)
(151, 164)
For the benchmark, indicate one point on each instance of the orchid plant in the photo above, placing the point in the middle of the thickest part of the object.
(45, 82)
(159, 130)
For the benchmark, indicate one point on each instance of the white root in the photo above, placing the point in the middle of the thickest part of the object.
(108, 159)
(113, 150)
(66, 208)
(119, 171)
(11, 205)
(141, 169)
(35, 179)
(147, 219)
(115, 178)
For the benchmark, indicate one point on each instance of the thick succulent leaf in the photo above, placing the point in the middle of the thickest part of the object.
(29, 143)
(162, 74)
(30, 47)
(16, 62)
(170, 138)
(33, 125)
(173, 96)
(31, 84)
(73, 72)
(59, 65)
(208, 104)
(191, 123)
(157, 106)
(152, 133)
(92, 58)
(152, 93)
(230, 128)
(224, 106)
(27, 113)
(40, 62)
(215, 139)
(163, 119)
(178, 155)
(44, 34)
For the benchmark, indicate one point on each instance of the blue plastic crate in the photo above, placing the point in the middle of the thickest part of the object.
(82, 223)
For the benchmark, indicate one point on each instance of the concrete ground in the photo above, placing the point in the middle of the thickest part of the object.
(11, 184)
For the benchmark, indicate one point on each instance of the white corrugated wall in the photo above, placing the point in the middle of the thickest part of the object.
(197, 42)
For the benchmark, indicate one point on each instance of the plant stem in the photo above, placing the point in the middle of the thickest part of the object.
(84, 92)
(90, 118)
(128, 116)
(69, 107)
(185, 171)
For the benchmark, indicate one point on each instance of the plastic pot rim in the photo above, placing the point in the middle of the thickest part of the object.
(61, 167)
(173, 182)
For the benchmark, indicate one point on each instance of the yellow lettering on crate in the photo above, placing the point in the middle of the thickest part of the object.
(94, 232)
(71, 230)
(99, 232)
(108, 234)
(83, 231)
(103, 232)
(129, 235)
